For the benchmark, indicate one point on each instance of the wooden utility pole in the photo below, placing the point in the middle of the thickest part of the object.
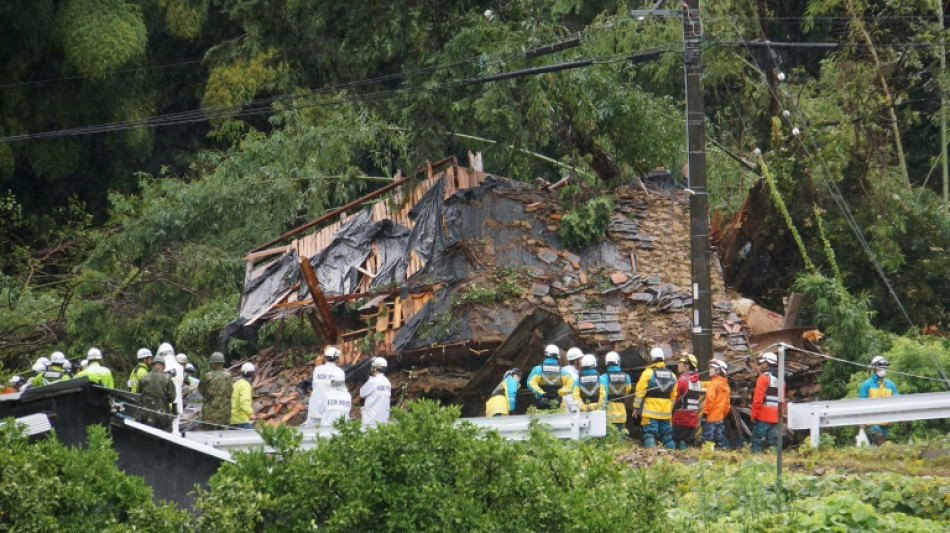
(696, 183)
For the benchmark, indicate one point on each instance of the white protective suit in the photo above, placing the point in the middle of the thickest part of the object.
(336, 404)
(376, 395)
(570, 405)
(321, 384)
(166, 351)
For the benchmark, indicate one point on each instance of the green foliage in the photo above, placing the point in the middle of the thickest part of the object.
(48, 487)
(724, 497)
(424, 472)
(586, 224)
(502, 284)
(846, 321)
(101, 35)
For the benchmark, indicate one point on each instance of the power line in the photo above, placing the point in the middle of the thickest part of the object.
(262, 106)
(104, 74)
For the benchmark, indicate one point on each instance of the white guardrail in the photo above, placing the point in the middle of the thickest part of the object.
(517, 427)
(816, 415)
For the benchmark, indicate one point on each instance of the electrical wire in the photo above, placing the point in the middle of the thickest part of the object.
(263, 106)
(104, 74)
(862, 365)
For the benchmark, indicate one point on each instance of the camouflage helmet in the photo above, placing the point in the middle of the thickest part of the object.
(217, 357)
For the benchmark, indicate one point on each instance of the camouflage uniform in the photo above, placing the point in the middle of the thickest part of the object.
(216, 388)
(158, 393)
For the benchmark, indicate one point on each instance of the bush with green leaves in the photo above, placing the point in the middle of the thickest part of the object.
(743, 497)
(586, 224)
(48, 487)
(424, 472)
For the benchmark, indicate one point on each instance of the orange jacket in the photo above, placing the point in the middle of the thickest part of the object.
(716, 406)
(765, 399)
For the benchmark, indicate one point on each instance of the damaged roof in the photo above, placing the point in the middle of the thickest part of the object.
(456, 275)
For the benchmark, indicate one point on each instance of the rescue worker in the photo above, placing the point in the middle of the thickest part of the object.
(765, 401)
(216, 389)
(878, 386)
(158, 396)
(502, 400)
(548, 381)
(336, 400)
(590, 394)
(13, 385)
(177, 374)
(618, 386)
(38, 369)
(68, 368)
(144, 357)
(376, 394)
(182, 359)
(191, 380)
(686, 409)
(83, 364)
(53, 373)
(241, 406)
(96, 372)
(321, 384)
(716, 406)
(573, 368)
(655, 394)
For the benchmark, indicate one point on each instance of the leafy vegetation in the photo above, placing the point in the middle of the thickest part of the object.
(501, 284)
(49, 487)
(586, 224)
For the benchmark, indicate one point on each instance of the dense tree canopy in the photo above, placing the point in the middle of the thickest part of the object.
(264, 113)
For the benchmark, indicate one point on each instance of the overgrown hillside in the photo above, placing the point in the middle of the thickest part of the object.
(146, 146)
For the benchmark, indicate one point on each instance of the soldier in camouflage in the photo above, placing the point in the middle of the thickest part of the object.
(216, 388)
(158, 394)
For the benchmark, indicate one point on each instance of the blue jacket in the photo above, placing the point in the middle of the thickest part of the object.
(875, 387)
(537, 383)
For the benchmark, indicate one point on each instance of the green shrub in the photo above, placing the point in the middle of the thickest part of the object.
(47, 487)
(423, 472)
(586, 224)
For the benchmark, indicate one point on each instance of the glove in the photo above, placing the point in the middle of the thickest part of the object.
(551, 395)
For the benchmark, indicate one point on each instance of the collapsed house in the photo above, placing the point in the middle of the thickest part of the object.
(456, 275)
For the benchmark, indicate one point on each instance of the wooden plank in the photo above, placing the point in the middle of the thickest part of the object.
(266, 253)
(397, 313)
(333, 213)
(791, 310)
(321, 309)
(382, 323)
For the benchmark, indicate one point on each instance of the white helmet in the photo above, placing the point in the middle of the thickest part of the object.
(332, 353)
(181, 358)
(143, 353)
(165, 349)
(84, 363)
(337, 380)
(67, 366)
(719, 365)
(248, 367)
(880, 361)
(15, 380)
(657, 354)
(94, 354)
(589, 361)
(612, 358)
(190, 368)
(39, 367)
(574, 354)
(57, 358)
(552, 350)
(768, 357)
(379, 363)
(43, 361)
